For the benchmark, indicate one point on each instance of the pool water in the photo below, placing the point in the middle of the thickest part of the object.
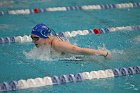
(124, 45)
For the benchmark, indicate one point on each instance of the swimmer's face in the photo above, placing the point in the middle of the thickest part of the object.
(37, 40)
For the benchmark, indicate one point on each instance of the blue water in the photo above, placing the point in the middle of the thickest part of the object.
(125, 45)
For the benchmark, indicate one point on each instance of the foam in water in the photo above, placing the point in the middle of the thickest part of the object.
(41, 53)
(47, 53)
(118, 55)
(4, 26)
(137, 39)
(119, 52)
(125, 55)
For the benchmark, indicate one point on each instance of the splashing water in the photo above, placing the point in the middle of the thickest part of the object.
(46, 53)
(41, 53)
(137, 38)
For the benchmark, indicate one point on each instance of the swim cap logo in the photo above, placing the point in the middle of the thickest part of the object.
(44, 31)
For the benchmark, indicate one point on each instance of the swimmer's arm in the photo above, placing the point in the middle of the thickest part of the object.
(69, 48)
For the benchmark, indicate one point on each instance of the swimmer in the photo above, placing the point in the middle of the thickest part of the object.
(42, 35)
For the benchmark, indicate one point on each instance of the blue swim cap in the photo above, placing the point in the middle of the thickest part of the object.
(41, 30)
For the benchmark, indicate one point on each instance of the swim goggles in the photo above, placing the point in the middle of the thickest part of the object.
(35, 38)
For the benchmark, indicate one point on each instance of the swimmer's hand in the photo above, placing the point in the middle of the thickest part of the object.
(108, 55)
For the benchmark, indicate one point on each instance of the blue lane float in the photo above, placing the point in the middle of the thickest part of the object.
(7, 40)
(70, 8)
(63, 79)
(68, 34)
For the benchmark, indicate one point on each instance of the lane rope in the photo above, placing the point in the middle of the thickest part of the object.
(68, 34)
(70, 8)
(69, 78)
